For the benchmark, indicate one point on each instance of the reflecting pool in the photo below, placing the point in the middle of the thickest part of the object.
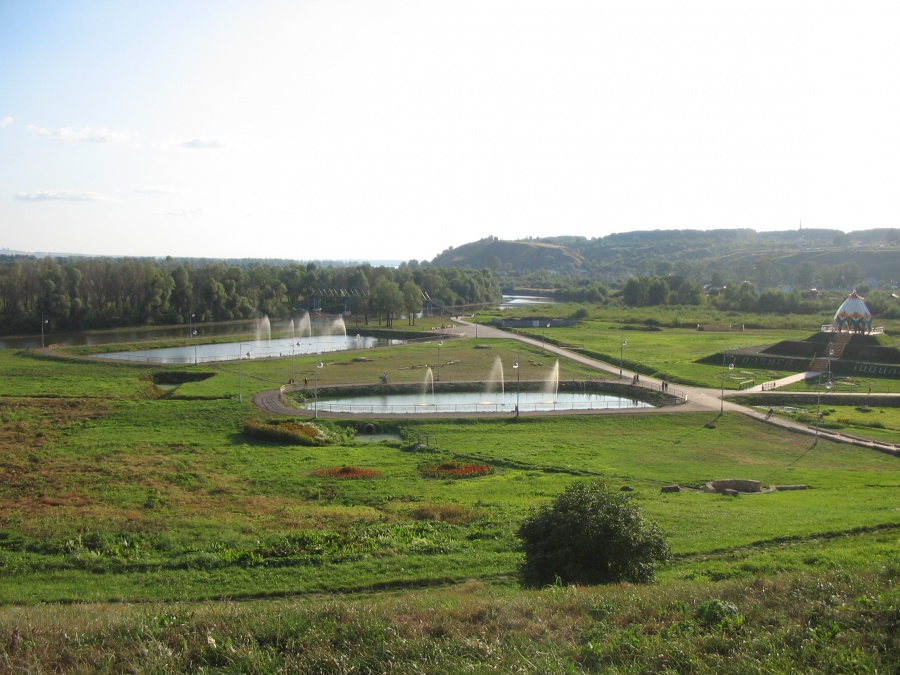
(475, 402)
(254, 349)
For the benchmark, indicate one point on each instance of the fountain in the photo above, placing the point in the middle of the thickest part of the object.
(551, 385)
(424, 398)
(263, 328)
(495, 378)
(428, 381)
(303, 323)
(292, 338)
(338, 327)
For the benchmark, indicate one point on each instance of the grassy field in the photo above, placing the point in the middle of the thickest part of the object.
(114, 490)
(672, 353)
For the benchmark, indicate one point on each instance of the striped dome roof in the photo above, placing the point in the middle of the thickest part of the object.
(853, 314)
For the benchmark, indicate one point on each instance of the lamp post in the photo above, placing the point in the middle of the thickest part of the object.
(316, 390)
(191, 332)
(830, 356)
(516, 367)
(730, 367)
(440, 342)
(544, 337)
(828, 386)
(44, 322)
(621, 356)
(240, 370)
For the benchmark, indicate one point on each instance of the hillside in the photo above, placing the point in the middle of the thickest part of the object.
(802, 258)
(492, 252)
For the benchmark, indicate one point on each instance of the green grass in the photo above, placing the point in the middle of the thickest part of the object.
(461, 361)
(197, 500)
(864, 418)
(673, 353)
(111, 492)
(779, 623)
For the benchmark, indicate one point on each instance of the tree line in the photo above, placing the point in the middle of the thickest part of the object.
(745, 297)
(78, 293)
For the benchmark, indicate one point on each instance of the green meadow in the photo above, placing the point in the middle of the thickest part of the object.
(223, 553)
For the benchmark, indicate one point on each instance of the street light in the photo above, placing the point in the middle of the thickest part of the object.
(828, 386)
(830, 357)
(544, 337)
(240, 370)
(516, 366)
(191, 331)
(730, 367)
(621, 355)
(316, 391)
(440, 342)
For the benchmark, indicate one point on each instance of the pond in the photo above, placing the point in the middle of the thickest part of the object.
(254, 349)
(475, 402)
(512, 301)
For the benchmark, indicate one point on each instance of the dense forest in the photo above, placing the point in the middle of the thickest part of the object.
(86, 293)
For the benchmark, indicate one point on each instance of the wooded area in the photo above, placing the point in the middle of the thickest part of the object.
(88, 293)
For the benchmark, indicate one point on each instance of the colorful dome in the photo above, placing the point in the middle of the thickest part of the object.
(854, 315)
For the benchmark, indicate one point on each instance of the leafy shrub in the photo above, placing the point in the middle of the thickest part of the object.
(580, 313)
(720, 614)
(590, 535)
(285, 431)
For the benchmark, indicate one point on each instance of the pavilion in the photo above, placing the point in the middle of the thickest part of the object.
(854, 315)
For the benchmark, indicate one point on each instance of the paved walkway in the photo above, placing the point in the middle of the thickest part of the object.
(696, 399)
(774, 384)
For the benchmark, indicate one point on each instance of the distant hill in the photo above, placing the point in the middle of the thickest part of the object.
(492, 252)
(771, 258)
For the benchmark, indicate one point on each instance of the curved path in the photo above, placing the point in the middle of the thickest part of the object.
(697, 399)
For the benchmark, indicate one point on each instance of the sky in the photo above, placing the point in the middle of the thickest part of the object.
(393, 130)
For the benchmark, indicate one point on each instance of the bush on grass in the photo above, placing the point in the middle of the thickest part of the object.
(285, 431)
(590, 535)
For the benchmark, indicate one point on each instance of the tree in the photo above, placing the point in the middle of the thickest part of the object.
(412, 300)
(635, 292)
(590, 535)
(387, 298)
(657, 292)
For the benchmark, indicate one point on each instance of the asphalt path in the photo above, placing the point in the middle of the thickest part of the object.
(696, 399)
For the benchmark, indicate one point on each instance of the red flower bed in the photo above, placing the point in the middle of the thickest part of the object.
(451, 469)
(346, 472)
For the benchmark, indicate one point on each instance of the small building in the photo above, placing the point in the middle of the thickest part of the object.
(854, 315)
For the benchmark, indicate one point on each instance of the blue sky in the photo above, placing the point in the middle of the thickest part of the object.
(392, 130)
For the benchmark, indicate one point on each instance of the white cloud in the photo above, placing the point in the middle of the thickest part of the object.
(201, 144)
(159, 190)
(184, 213)
(6, 121)
(85, 135)
(52, 195)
